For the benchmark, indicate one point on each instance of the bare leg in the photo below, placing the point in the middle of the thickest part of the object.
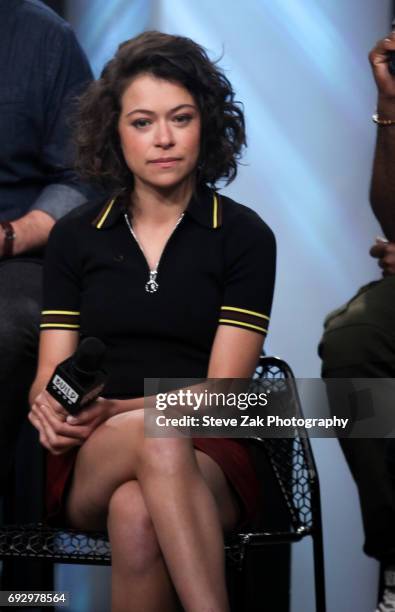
(187, 521)
(140, 580)
(188, 511)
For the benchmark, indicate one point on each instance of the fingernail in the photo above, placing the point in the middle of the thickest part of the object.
(71, 420)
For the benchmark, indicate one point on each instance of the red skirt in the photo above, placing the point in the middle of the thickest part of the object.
(231, 454)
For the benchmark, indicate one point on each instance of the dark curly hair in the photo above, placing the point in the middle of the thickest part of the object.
(174, 58)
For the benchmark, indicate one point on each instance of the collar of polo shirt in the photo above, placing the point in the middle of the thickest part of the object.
(205, 207)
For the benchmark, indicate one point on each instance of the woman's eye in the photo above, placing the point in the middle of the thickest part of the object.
(182, 118)
(141, 123)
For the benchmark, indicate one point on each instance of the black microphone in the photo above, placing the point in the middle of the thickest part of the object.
(79, 379)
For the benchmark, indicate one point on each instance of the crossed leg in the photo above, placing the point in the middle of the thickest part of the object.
(166, 507)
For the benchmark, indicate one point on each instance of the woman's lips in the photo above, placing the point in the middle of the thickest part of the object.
(165, 162)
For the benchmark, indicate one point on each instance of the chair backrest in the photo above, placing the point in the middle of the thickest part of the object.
(291, 457)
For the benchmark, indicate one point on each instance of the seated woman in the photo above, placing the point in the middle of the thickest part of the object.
(177, 281)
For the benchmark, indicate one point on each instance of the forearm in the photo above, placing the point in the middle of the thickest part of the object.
(118, 406)
(382, 190)
(31, 232)
(39, 384)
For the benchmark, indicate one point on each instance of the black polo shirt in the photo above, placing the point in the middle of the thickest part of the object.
(217, 268)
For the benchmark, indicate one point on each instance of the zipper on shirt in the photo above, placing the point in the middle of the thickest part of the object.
(152, 285)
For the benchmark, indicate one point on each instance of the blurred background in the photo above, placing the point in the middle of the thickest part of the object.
(302, 72)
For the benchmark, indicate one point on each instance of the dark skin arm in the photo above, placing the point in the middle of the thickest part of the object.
(382, 191)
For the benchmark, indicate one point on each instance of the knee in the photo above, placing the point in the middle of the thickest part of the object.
(351, 345)
(166, 456)
(360, 331)
(19, 323)
(16, 322)
(154, 454)
(134, 544)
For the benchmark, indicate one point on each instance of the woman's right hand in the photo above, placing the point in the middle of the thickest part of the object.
(51, 420)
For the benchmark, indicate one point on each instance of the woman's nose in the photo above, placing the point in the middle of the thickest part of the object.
(164, 135)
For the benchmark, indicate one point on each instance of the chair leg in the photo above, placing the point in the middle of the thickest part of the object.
(262, 581)
(319, 571)
(234, 579)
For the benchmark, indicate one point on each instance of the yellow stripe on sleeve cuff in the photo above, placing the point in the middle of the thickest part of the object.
(60, 312)
(58, 325)
(241, 324)
(244, 310)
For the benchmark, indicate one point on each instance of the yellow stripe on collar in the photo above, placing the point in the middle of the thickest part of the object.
(101, 221)
(215, 211)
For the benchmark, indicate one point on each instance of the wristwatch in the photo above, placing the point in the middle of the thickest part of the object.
(9, 237)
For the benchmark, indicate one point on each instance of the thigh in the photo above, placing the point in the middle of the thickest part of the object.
(110, 457)
(21, 286)
(371, 305)
(105, 461)
(223, 493)
(20, 305)
(362, 333)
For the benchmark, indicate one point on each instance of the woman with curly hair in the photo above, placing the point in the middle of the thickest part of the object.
(177, 280)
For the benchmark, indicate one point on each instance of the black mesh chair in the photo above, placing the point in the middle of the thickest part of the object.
(292, 466)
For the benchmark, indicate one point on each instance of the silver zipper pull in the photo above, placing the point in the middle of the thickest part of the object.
(151, 285)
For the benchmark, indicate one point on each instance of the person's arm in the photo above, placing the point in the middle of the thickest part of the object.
(31, 232)
(55, 346)
(68, 73)
(382, 190)
(59, 326)
(59, 338)
(46, 414)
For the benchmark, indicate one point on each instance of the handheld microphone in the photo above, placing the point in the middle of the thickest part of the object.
(79, 379)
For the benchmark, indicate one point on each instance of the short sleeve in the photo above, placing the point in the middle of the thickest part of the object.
(250, 262)
(61, 286)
